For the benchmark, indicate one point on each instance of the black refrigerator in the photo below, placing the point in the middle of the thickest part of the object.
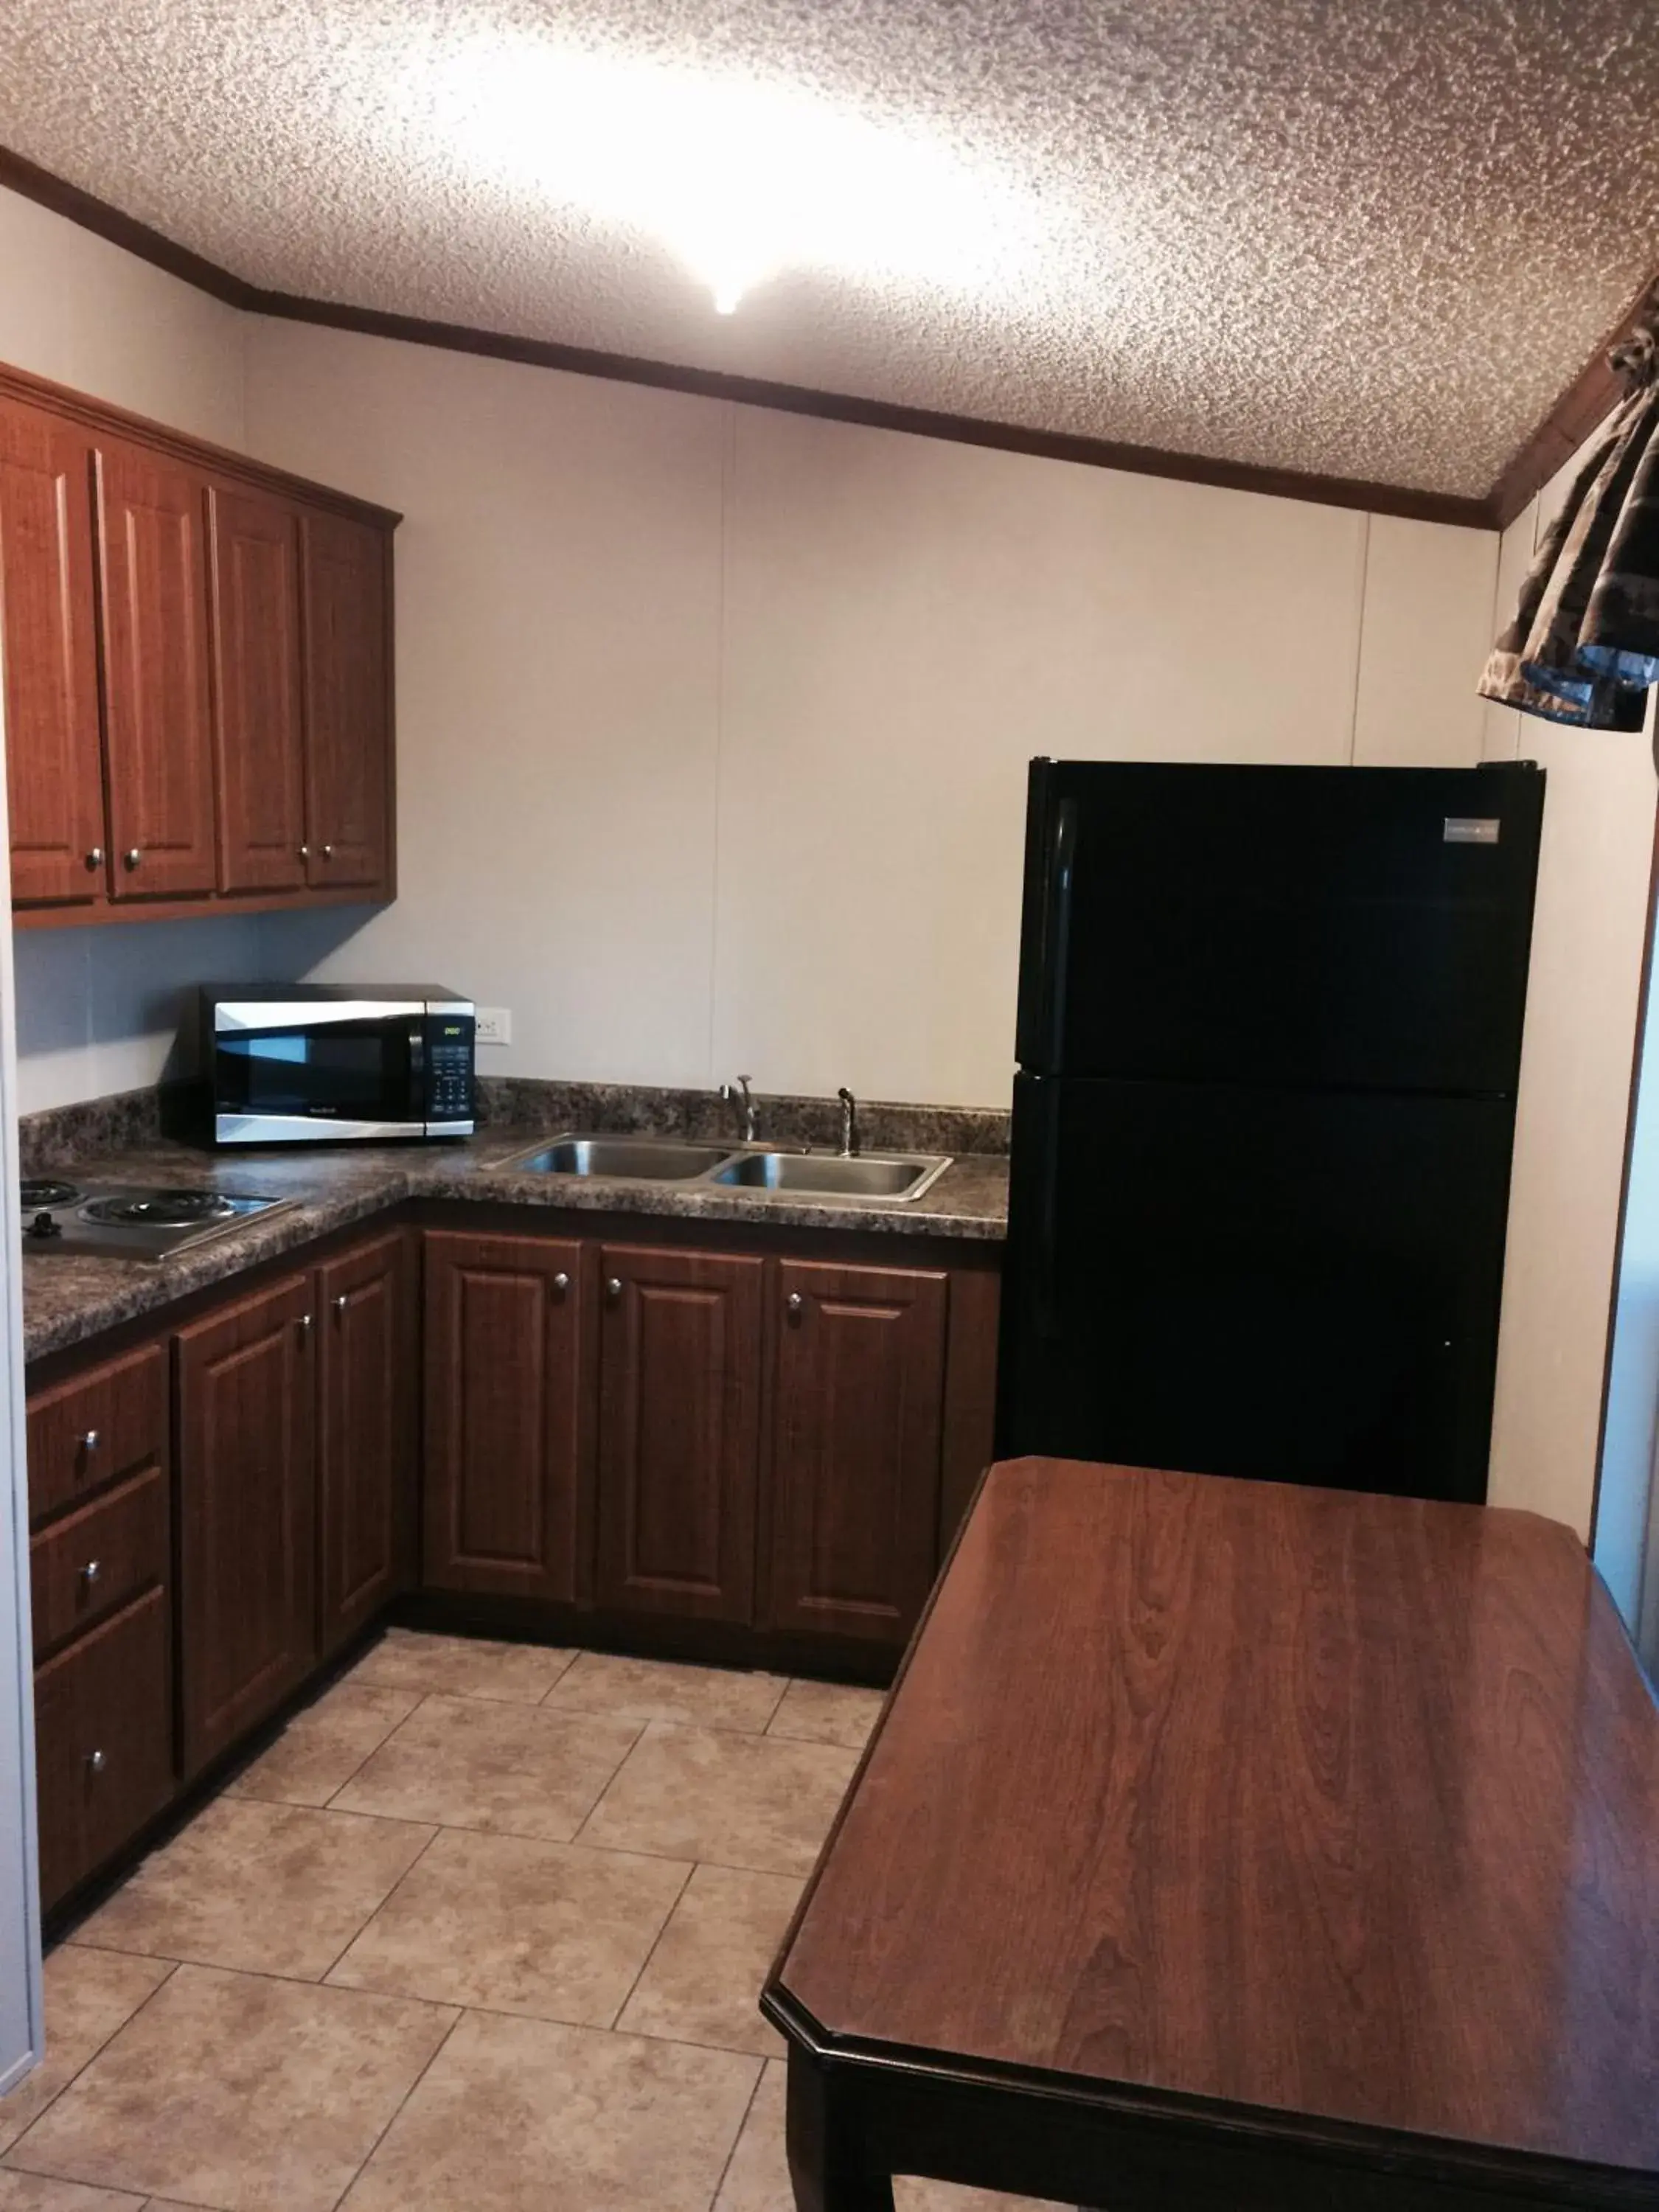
(1268, 1037)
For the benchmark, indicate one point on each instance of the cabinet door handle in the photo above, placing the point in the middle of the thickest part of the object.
(132, 856)
(328, 852)
(91, 1441)
(342, 1302)
(796, 1304)
(562, 1283)
(613, 1289)
(96, 857)
(305, 1327)
(305, 852)
(96, 1761)
(91, 1572)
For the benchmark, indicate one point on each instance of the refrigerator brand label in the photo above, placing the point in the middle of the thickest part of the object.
(1470, 830)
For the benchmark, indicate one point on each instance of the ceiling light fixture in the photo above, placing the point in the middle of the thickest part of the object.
(739, 179)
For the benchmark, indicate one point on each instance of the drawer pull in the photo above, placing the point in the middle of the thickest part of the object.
(613, 1289)
(90, 1441)
(95, 1761)
(91, 1572)
(561, 1282)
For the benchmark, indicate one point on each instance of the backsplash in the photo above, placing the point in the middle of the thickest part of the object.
(96, 1127)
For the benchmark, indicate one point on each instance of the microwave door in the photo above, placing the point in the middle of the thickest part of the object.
(318, 1072)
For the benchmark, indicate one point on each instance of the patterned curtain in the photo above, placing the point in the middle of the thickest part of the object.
(1584, 646)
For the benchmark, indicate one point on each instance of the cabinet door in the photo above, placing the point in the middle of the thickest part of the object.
(158, 735)
(49, 656)
(505, 1491)
(103, 1731)
(348, 717)
(366, 1470)
(254, 546)
(247, 1519)
(857, 1418)
(679, 1432)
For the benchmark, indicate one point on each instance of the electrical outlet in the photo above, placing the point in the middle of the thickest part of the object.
(494, 1026)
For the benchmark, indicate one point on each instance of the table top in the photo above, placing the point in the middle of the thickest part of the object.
(1302, 1800)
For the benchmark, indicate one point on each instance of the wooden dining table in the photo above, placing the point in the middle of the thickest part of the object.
(1239, 1847)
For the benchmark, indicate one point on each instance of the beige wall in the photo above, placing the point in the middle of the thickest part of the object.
(713, 722)
(96, 1007)
(1575, 1067)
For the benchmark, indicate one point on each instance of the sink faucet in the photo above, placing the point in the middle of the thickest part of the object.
(736, 1096)
(849, 1124)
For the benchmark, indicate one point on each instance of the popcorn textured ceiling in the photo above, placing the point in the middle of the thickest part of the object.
(1369, 239)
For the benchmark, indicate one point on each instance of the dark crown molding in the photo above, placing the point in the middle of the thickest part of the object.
(1574, 415)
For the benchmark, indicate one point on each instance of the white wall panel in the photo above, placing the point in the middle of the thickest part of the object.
(1427, 631)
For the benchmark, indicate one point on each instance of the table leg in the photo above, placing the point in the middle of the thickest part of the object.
(826, 2162)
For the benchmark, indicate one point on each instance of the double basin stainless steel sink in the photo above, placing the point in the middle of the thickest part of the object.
(760, 1171)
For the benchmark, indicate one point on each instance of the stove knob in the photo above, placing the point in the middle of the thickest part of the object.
(43, 1226)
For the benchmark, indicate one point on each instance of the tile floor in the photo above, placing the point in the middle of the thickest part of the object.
(483, 1929)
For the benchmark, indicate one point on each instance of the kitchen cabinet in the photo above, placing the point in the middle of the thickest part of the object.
(198, 672)
(679, 1431)
(246, 1505)
(365, 1319)
(259, 742)
(48, 622)
(157, 734)
(347, 718)
(506, 1508)
(857, 1410)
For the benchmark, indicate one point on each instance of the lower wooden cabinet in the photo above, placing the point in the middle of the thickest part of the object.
(679, 1432)
(248, 1506)
(857, 1412)
(504, 1354)
(103, 1731)
(366, 1506)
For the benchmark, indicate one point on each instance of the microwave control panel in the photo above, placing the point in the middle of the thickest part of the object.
(449, 1068)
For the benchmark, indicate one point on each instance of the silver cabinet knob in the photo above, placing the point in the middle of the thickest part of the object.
(342, 1302)
(95, 1760)
(613, 1288)
(305, 852)
(132, 856)
(795, 1303)
(91, 1572)
(562, 1283)
(328, 852)
(90, 1441)
(96, 857)
(305, 1325)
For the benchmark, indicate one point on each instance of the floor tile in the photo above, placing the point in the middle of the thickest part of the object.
(757, 2178)
(471, 1763)
(238, 2091)
(519, 2115)
(655, 1690)
(552, 1929)
(90, 1994)
(37, 2192)
(321, 1748)
(758, 1802)
(275, 1889)
(826, 1712)
(463, 1667)
(702, 1983)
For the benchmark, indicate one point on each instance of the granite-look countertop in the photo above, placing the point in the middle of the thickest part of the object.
(68, 1300)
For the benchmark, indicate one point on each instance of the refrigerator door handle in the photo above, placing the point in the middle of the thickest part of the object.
(1062, 872)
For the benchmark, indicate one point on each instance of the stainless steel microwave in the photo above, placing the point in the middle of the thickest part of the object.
(309, 1063)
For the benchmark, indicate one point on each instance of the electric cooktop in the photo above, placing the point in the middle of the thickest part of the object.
(128, 1221)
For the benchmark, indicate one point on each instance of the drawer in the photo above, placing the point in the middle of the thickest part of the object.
(99, 1558)
(106, 1423)
(103, 1752)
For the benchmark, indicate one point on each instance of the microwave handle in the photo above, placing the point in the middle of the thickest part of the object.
(418, 1071)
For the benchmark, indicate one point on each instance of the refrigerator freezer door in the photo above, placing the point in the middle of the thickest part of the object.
(1237, 1281)
(1325, 927)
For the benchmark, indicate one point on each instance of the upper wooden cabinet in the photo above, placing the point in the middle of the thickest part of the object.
(54, 745)
(157, 736)
(347, 700)
(254, 547)
(197, 668)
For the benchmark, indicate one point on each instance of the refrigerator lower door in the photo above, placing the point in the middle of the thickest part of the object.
(1291, 1286)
